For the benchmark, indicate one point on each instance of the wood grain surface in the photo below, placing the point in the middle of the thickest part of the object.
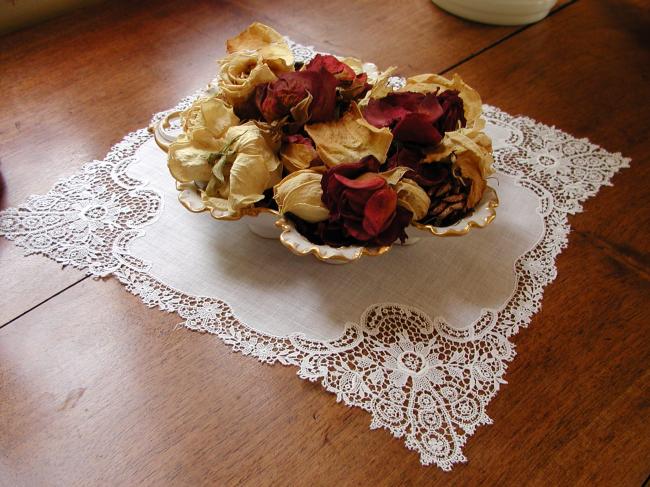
(96, 389)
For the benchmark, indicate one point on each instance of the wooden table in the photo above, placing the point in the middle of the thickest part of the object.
(96, 389)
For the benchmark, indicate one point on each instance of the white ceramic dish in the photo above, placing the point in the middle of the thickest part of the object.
(498, 12)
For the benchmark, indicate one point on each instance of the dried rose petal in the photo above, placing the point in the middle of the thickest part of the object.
(418, 128)
(384, 112)
(379, 211)
(417, 117)
(326, 62)
(453, 109)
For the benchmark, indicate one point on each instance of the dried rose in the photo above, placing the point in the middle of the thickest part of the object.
(326, 62)
(276, 100)
(267, 42)
(364, 208)
(432, 83)
(300, 193)
(242, 170)
(350, 170)
(255, 56)
(188, 161)
(409, 193)
(349, 139)
(240, 73)
(205, 124)
(350, 83)
(415, 117)
(297, 153)
(208, 119)
(424, 174)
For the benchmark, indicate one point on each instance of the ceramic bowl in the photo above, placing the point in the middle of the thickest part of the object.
(268, 223)
(483, 215)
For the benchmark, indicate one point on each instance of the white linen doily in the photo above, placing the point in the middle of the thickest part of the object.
(419, 337)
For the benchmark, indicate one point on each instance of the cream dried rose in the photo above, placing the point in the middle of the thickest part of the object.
(208, 119)
(239, 75)
(204, 124)
(244, 168)
(256, 56)
(264, 40)
(300, 193)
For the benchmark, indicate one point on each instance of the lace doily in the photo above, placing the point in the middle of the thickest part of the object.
(418, 377)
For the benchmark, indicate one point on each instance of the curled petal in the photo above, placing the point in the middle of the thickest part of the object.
(326, 62)
(471, 153)
(393, 176)
(417, 128)
(412, 117)
(349, 139)
(413, 198)
(372, 182)
(380, 86)
(296, 156)
(300, 112)
(189, 162)
(300, 193)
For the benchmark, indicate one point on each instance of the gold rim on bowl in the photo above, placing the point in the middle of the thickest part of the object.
(298, 244)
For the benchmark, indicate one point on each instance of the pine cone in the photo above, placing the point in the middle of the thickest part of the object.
(448, 200)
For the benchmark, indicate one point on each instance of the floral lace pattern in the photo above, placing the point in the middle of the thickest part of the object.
(418, 378)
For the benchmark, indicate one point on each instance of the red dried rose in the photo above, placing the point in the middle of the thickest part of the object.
(341, 71)
(416, 117)
(350, 170)
(275, 100)
(352, 85)
(364, 209)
